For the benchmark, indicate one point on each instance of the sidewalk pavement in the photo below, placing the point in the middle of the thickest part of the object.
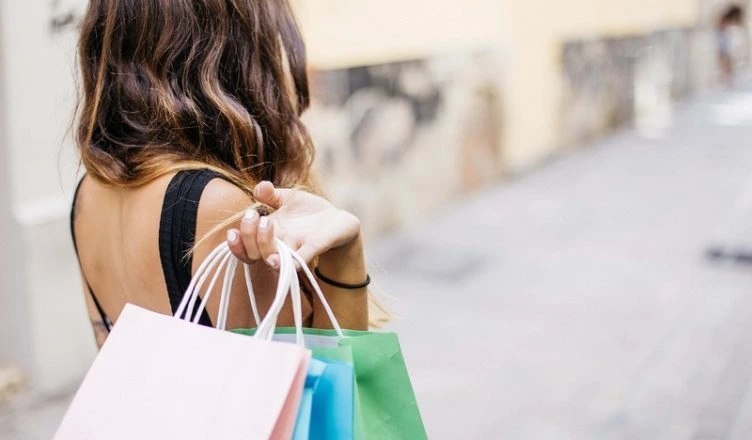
(575, 302)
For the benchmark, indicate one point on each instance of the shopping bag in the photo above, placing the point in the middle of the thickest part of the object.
(385, 407)
(314, 375)
(345, 422)
(385, 404)
(332, 416)
(158, 377)
(335, 402)
(162, 377)
(327, 406)
(388, 407)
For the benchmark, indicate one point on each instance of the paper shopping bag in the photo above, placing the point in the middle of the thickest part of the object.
(315, 372)
(333, 415)
(334, 407)
(386, 407)
(158, 377)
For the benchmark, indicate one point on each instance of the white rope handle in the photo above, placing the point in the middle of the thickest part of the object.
(265, 329)
(297, 306)
(288, 284)
(224, 300)
(319, 293)
(221, 259)
(285, 252)
(199, 278)
(251, 294)
(210, 289)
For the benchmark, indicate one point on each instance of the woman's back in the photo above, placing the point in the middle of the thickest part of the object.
(116, 233)
(135, 245)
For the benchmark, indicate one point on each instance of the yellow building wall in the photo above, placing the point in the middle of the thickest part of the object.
(532, 33)
(345, 33)
(528, 34)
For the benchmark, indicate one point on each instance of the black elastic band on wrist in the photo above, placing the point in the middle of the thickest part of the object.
(342, 285)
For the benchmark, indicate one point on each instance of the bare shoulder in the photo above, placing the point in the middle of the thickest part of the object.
(220, 201)
(220, 208)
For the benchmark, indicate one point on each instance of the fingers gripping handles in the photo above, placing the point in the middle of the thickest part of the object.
(221, 261)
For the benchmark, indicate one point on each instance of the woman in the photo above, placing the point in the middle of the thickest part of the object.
(190, 113)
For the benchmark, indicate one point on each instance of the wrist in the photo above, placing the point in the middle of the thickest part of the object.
(345, 263)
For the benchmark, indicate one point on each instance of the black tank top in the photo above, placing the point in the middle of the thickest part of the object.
(177, 235)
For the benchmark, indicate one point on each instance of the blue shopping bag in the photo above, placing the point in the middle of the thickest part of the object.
(316, 369)
(332, 415)
(327, 407)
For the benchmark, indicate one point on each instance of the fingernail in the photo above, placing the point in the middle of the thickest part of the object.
(272, 261)
(250, 214)
(232, 236)
(264, 223)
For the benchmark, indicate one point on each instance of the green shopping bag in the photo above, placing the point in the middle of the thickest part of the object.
(385, 407)
(385, 404)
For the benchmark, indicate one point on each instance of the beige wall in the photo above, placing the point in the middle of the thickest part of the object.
(528, 35)
(43, 281)
(343, 33)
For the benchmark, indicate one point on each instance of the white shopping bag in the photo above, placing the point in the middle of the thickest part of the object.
(161, 377)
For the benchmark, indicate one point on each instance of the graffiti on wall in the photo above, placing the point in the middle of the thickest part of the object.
(399, 140)
(613, 81)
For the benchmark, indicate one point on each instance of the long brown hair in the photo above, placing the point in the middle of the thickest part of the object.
(180, 84)
(176, 84)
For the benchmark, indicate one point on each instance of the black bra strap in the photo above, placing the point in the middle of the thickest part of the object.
(177, 232)
(105, 320)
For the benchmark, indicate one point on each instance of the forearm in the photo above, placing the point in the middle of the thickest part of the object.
(347, 265)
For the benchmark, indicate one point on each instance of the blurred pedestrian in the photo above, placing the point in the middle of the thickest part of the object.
(731, 19)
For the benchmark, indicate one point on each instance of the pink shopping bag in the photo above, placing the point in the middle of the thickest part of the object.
(159, 377)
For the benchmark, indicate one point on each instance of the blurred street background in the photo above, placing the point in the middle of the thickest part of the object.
(540, 184)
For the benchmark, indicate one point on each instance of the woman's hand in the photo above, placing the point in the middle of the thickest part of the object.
(309, 224)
